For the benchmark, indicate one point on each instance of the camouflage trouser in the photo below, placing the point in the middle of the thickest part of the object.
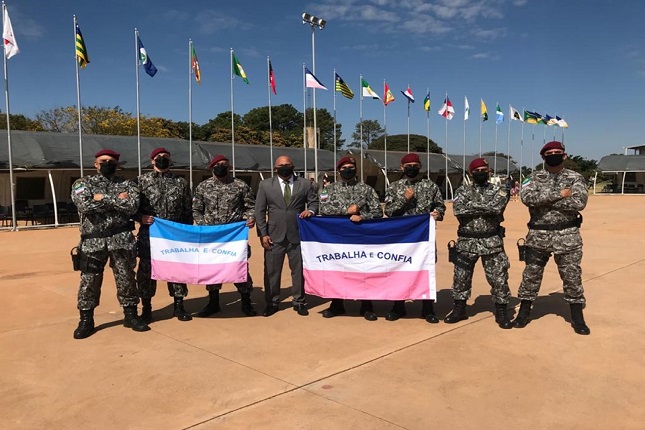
(568, 267)
(496, 270)
(147, 287)
(122, 262)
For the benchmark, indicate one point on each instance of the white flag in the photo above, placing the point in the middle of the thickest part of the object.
(466, 108)
(10, 45)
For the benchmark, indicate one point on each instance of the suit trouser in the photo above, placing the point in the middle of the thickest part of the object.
(273, 262)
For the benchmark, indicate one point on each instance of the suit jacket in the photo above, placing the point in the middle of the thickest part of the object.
(277, 220)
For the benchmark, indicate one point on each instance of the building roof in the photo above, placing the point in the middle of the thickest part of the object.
(622, 163)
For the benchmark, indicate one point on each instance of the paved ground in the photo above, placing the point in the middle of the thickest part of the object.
(291, 372)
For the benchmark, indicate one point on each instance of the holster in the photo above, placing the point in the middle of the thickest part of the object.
(452, 252)
(521, 248)
(75, 253)
(87, 263)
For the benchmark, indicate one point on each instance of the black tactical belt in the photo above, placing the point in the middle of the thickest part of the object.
(478, 234)
(109, 232)
(574, 223)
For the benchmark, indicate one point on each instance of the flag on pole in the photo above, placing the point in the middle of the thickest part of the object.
(515, 115)
(388, 97)
(144, 59)
(368, 91)
(343, 88)
(195, 64)
(408, 94)
(484, 111)
(426, 102)
(238, 69)
(466, 108)
(549, 120)
(447, 111)
(272, 78)
(10, 44)
(532, 117)
(562, 123)
(311, 81)
(81, 50)
(499, 114)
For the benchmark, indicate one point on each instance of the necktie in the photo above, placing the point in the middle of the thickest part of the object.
(287, 193)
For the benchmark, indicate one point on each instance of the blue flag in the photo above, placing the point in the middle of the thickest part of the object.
(145, 59)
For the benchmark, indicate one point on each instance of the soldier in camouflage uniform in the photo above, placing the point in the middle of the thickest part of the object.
(105, 205)
(224, 199)
(479, 208)
(413, 195)
(167, 196)
(554, 197)
(357, 200)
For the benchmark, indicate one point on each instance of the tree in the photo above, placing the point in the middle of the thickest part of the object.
(19, 122)
(325, 125)
(221, 121)
(371, 130)
(399, 142)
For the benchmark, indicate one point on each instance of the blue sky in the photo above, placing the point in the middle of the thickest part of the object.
(583, 61)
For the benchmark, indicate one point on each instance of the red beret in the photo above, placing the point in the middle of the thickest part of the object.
(216, 159)
(345, 160)
(109, 153)
(551, 145)
(477, 163)
(158, 151)
(410, 158)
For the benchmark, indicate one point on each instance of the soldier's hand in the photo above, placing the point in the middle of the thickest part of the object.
(356, 218)
(98, 197)
(353, 210)
(435, 214)
(147, 219)
(566, 192)
(267, 243)
(250, 223)
(306, 214)
(409, 193)
(123, 195)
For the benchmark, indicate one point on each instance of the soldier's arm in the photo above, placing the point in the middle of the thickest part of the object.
(83, 197)
(438, 203)
(126, 204)
(579, 196)
(249, 203)
(331, 205)
(373, 205)
(538, 193)
(261, 211)
(198, 207)
(313, 204)
(395, 202)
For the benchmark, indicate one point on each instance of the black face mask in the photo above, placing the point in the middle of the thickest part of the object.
(220, 171)
(107, 168)
(285, 171)
(554, 160)
(348, 174)
(480, 178)
(162, 163)
(411, 172)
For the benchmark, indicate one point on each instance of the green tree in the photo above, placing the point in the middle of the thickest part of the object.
(325, 125)
(19, 122)
(372, 130)
(221, 121)
(399, 142)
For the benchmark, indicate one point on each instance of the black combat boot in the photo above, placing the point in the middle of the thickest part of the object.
(522, 318)
(398, 311)
(501, 316)
(367, 310)
(336, 307)
(179, 311)
(577, 320)
(146, 309)
(86, 325)
(212, 307)
(427, 312)
(132, 321)
(247, 306)
(458, 313)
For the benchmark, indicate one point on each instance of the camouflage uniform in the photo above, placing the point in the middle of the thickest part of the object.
(166, 196)
(109, 221)
(222, 201)
(336, 198)
(553, 230)
(427, 198)
(480, 210)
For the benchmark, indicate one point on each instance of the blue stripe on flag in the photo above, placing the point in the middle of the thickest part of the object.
(199, 233)
(407, 229)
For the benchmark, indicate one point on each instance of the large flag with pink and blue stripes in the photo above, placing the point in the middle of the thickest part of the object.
(193, 254)
(380, 259)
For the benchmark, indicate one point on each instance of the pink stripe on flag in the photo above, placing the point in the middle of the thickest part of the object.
(399, 285)
(199, 274)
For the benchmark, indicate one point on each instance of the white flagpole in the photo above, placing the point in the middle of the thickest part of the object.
(232, 117)
(428, 137)
(463, 161)
(14, 226)
(385, 135)
(360, 112)
(304, 116)
(496, 127)
(313, 61)
(508, 146)
(136, 68)
(446, 156)
(481, 121)
(78, 104)
(190, 113)
(335, 141)
(408, 122)
(270, 123)
(521, 148)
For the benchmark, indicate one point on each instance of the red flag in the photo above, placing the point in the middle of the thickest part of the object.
(272, 78)
(388, 97)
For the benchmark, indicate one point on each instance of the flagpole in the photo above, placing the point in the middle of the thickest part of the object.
(496, 130)
(521, 148)
(385, 129)
(14, 226)
(360, 112)
(136, 68)
(313, 61)
(408, 122)
(481, 121)
(463, 161)
(428, 135)
(78, 104)
(232, 116)
(270, 122)
(304, 116)
(446, 156)
(508, 145)
(190, 113)
(335, 139)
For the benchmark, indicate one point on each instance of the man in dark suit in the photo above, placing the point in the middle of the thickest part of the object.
(280, 201)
